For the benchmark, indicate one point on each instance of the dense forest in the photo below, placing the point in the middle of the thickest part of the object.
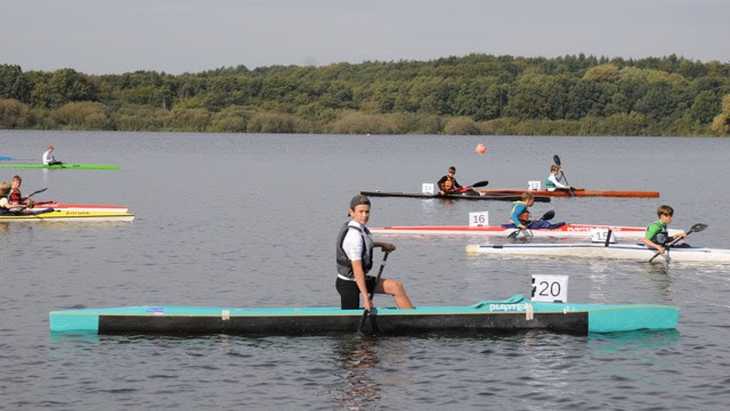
(474, 94)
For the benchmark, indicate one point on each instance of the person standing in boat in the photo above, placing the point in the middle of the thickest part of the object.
(448, 183)
(355, 259)
(555, 180)
(520, 215)
(657, 235)
(48, 158)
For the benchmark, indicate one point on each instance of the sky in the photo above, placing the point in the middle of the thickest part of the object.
(176, 36)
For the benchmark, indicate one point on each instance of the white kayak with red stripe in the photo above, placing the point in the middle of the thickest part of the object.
(564, 231)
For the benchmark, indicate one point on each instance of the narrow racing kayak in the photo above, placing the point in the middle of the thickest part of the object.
(515, 313)
(564, 231)
(597, 250)
(453, 196)
(53, 215)
(107, 208)
(64, 166)
(579, 192)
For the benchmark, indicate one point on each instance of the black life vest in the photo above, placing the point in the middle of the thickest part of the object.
(344, 265)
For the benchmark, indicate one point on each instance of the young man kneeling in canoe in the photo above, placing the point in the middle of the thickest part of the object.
(355, 259)
(657, 235)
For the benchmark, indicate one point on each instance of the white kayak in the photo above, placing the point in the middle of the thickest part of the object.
(565, 231)
(597, 250)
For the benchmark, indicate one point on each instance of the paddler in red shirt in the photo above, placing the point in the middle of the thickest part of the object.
(15, 198)
(448, 183)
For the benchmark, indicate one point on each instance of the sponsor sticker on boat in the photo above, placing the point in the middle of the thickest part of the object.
(508, 307)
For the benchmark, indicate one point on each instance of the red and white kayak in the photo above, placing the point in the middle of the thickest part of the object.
(565, 231)
(107, 208)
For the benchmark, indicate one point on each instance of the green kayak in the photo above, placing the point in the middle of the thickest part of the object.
(74, 166)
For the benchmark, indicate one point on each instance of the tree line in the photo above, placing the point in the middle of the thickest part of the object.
(474, 94)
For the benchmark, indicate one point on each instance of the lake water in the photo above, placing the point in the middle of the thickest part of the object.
(250, 220)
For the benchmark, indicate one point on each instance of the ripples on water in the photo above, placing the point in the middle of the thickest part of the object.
(251, 220)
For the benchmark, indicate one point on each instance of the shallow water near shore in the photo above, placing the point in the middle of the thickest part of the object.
(250, 220)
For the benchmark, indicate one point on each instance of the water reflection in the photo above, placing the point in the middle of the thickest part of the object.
(633, 341)
(358, 357)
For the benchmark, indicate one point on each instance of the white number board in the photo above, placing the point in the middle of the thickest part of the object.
(550, 288)
(427, 188)
(534, 185)
(479, 219)
(599, 235)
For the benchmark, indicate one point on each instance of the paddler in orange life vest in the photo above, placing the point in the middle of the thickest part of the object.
(15, 198)
(355, 259)
(448, 183)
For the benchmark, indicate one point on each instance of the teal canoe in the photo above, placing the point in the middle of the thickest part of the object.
(513, 314)
(5, 158)
(64, 166)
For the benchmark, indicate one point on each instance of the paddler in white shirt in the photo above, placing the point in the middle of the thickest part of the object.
(554, 181)
(355, 259)
(48, 158)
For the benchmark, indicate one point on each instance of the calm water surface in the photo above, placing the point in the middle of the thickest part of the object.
(250, 220)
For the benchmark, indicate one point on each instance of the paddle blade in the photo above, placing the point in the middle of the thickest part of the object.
(37, 192)
(556, 159)
(697, 228)
(480, 183)
(548, 216)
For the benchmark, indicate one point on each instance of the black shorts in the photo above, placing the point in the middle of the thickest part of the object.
(350, 294)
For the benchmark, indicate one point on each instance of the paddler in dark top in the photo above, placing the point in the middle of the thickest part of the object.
(657, 235)
(448, 183)
(355, 259)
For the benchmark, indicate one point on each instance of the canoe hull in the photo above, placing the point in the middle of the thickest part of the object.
(481, 197)
(592, 250)
(579, 192)
(514, 314)
(566, 231)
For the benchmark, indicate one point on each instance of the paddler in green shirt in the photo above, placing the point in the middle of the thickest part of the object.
(657, 236)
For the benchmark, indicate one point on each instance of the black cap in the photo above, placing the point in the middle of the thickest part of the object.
(359, 199)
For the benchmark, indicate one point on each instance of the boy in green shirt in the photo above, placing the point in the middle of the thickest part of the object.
(657, 236)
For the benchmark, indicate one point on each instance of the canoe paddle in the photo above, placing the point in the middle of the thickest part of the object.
(547, 216)
(694, 229)
(374, 312)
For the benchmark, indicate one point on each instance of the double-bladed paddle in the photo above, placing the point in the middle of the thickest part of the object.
(372, 314)
(547, 216)
(694, 229)
(37, 192)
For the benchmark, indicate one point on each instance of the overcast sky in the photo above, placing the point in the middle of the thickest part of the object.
(101, 36)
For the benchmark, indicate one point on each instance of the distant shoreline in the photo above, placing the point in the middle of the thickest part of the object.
(472, 95)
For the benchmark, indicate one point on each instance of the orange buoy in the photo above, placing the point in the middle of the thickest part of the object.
(480, 149)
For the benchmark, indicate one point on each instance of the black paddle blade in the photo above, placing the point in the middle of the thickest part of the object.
(37, 192)
(697, 228)
(556, 159)
(369, 323)
(480, 183)
(548, 216)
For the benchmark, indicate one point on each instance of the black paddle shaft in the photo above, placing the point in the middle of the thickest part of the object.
(371, 315)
